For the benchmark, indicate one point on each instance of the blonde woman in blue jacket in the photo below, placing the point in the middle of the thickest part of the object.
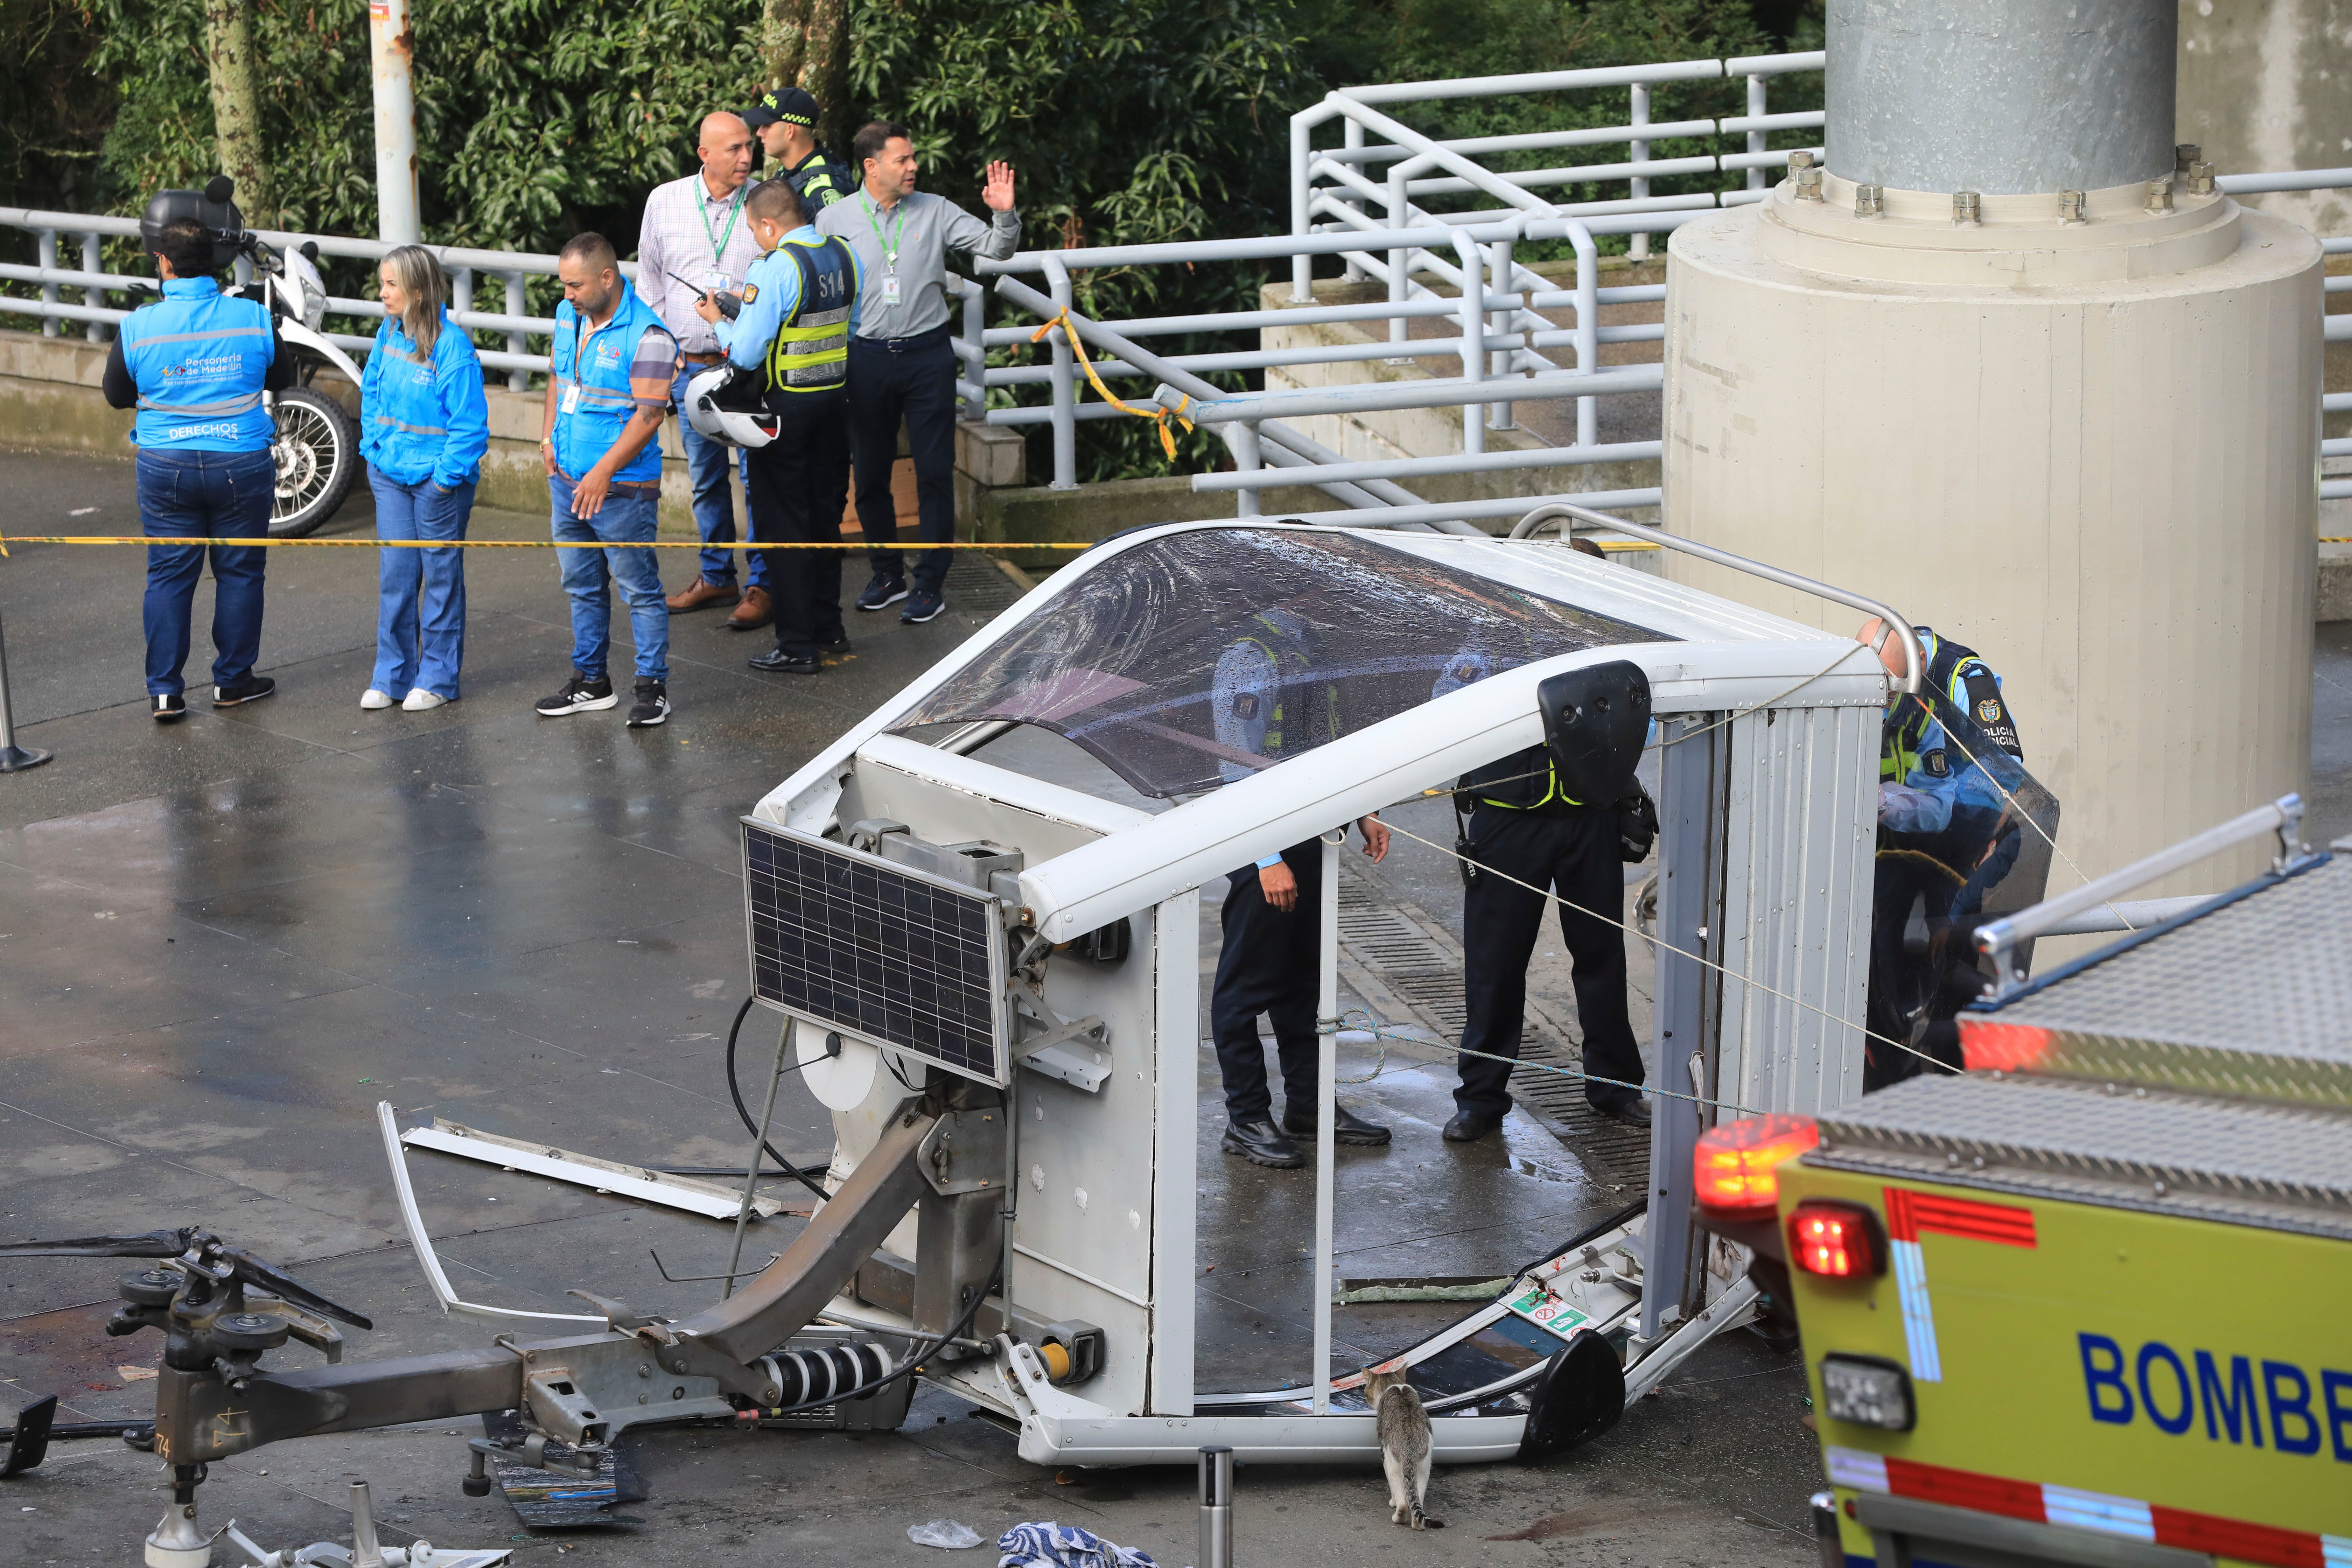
(424, 426)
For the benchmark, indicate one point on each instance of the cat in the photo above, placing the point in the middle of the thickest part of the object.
(1405, 1446)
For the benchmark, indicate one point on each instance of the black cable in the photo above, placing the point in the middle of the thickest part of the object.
(811, 1183)
(905, 1367)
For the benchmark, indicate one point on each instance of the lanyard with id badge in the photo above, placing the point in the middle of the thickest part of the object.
(889, 249)
(717, 280)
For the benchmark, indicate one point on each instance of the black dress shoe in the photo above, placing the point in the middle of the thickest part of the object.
(1353, 1128)
(776, 662)
(1467, 1128)
(1262, 1143)
(1632, 1113)
(837, 643)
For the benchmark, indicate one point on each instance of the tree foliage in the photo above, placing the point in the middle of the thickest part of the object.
(1130, 121)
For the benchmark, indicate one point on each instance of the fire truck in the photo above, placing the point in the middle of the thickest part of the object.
(2090, 1300)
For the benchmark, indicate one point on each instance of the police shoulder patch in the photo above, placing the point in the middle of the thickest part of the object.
(1988, 710)
(1937, 764)
(751, 292)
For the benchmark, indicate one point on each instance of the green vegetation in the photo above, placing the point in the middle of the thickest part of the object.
(1130, 121)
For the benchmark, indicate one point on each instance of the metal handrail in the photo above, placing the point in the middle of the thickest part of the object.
(1915, 655)
(1998, 940)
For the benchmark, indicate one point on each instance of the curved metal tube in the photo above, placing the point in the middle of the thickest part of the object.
(1913, 656)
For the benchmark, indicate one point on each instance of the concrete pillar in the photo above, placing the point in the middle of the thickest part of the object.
(2076, 430)
(391, 53)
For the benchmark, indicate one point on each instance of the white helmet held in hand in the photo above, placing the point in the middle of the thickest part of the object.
(724, 403)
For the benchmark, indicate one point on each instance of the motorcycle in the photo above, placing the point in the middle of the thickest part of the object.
(316, 447)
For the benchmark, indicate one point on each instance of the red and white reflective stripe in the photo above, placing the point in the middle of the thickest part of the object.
(1910, 1216)
(2129, 1518)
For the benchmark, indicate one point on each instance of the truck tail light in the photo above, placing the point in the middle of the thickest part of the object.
(1734, 1166)
(1836, 1241)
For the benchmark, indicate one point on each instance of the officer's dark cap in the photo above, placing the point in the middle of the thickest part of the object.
(793, 105)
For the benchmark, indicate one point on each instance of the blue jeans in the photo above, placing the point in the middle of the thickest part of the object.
(204, 495)
(714, 503)
(420, 622)
(622, 518)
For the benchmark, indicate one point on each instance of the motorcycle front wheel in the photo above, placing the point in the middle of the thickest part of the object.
(317, 449)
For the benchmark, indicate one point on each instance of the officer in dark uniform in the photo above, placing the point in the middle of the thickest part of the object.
(785, 122)
(800, 305)
(1269, 704)
(1522, 825)
(1948, 763)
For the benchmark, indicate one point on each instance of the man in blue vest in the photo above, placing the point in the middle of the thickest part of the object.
(195, 364)
(800, 305)
(615, 363)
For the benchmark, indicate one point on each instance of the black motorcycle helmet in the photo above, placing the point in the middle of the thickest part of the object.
(210, 206)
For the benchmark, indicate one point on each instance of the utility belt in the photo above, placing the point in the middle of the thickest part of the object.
(1636, 821)
(632, 487)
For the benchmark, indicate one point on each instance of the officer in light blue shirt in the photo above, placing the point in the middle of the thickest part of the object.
(799, 307)
(196, 365)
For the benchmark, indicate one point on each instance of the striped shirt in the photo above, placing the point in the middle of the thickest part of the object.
(682, 221)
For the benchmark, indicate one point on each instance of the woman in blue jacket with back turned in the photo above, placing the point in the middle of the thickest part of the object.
(425, 424)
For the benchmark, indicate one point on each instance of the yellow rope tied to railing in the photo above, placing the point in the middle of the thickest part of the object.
(1156, 414)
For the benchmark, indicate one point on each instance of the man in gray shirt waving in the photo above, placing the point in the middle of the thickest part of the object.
(902, 366)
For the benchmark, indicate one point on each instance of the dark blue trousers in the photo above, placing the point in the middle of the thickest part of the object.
(911, 379)
(1575, 853)
(798, 482)
(1269, 964)
(201, 495)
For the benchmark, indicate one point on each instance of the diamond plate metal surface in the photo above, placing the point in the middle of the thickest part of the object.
(2277, 1167)
(2254, 998)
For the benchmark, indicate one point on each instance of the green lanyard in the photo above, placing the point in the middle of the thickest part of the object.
(718, 245)
(890, 246)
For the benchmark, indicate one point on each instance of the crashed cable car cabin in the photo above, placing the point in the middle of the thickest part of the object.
(994, 980)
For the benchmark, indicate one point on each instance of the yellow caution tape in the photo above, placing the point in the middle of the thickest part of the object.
(1156, 414)
(9, 538)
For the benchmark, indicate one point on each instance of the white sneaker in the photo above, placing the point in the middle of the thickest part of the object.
(422, 701)
(372, 700)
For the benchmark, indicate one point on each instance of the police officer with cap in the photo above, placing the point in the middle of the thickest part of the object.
(800, 306)
(785, 122)
(195, 364)
(1523, 826)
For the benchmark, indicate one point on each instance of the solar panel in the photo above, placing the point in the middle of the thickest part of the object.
(849, 940)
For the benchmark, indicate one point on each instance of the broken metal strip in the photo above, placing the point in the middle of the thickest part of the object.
(703, 1198)
(426, 1258)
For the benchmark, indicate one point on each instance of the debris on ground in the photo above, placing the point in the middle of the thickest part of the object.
(1052, 1545)
(948, 1532)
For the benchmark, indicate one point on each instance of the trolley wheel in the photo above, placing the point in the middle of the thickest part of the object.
(317, 449)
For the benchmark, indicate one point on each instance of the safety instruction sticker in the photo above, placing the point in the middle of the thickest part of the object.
(1545, 1310)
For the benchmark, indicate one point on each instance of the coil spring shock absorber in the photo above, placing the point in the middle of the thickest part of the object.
(804, 1378)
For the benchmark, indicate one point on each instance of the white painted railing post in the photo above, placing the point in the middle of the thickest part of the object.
(49, 258)
(1474, 336)
(1640, 149)
(518, 380)
(1354, 134)
(1065, 386)
(92, 260)
(1757, 106)
(1501, 268)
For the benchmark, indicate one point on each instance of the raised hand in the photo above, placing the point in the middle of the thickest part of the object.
(997, 190)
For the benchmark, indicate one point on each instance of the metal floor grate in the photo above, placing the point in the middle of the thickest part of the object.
(1418, 961)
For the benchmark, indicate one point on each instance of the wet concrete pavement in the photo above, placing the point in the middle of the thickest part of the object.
(222, 944)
